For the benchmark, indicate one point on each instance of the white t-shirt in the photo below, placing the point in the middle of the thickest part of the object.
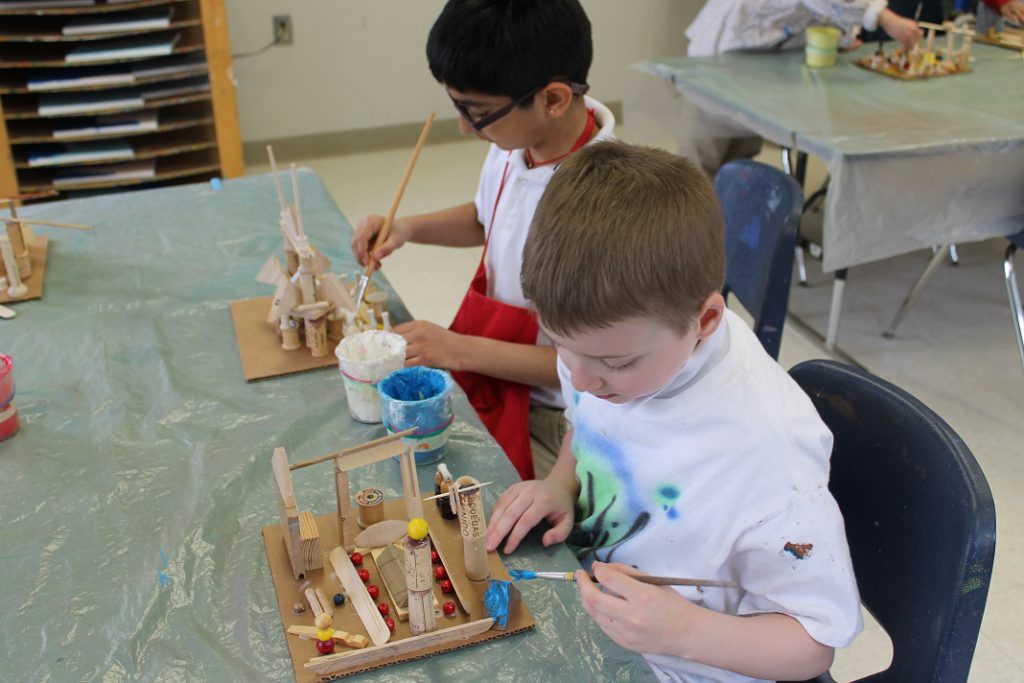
(721, 474)
(523, 189)
(730, 25)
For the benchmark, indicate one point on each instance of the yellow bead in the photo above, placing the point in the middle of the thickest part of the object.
(325, 634)
(418, 529)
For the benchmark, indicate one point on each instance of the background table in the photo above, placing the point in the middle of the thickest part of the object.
(133, 497)
(913, 164)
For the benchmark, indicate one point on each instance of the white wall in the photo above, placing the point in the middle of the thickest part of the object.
(359, 64)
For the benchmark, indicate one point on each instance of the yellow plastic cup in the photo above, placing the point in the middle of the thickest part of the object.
(822, 46)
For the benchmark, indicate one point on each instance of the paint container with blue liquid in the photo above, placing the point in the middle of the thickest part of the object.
(419, 398)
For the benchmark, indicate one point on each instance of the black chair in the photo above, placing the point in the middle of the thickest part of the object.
(1013, 291)
(762, 207)
(919, 517)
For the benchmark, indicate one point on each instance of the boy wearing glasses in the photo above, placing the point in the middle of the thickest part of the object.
(516, 71)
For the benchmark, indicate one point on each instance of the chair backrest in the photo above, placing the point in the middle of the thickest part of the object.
(919, 518)
(761, 205)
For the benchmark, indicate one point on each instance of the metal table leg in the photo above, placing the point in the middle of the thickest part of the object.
(929, 271)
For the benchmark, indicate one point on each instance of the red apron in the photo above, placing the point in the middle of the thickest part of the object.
(503, 406)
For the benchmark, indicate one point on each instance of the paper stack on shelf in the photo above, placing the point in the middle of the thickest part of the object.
(87, 175)
(186, 86)
(110, 124)
(85, 102)
(84, 77)
(44, 4)
(120, 23)
(123, 48)
(53, 155)
(170, 66)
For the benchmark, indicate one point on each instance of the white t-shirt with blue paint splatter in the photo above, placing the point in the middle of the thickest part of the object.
(722, 474)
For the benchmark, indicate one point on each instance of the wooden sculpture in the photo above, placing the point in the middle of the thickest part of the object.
(927, 61)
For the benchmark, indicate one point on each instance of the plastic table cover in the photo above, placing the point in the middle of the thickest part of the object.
(133, 497)
(913, 164)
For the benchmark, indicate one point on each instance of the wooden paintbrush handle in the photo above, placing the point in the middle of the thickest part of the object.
(675, 581)
(385, 229)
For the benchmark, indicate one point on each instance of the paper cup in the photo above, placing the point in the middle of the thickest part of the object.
(8, 413)
(822, 46)
(365, 359)
(421, 399)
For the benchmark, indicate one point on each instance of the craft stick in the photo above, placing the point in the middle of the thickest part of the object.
(353, 640)
(361, 447)
(464, 490)
(372, 620)
(314, 602)
(382, 533)
(330, 664)
(463, 601)
(11, 199)
(325, 602)
(55, 224)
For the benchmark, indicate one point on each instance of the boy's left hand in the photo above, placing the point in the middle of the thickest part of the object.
(637, 616)
(431, 345)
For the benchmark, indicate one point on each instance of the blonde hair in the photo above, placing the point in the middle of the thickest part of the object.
(624, 231)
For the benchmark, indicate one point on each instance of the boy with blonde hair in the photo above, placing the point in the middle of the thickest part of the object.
(691, 453)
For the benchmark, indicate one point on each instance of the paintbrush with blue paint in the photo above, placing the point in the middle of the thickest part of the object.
(382, 236)
(525, 574)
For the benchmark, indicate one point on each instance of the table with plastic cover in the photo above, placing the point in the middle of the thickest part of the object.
(133, 497)
(913, 164)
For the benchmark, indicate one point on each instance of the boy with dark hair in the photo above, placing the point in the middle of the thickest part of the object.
(691, 453)
(516, 71)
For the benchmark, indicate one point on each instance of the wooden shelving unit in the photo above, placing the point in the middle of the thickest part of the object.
(52, 109)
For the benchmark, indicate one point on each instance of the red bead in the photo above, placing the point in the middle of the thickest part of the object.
(446, 586)
(325, 647)
(384, 609)
(390, 623)
(434, 557)
(357, 558)
(364, 575)
(440, 573)
(448, 608)
(373, 591)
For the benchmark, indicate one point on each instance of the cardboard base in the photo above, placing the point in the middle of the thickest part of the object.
(260, 348)
(37, 250)
(864, 64)
(444, 532)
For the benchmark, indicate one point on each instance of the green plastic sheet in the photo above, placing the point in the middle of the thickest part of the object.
(133, 498)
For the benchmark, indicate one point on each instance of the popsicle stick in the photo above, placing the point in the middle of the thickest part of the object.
(368, 613)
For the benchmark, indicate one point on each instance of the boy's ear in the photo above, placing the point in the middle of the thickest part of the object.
(711, 313)
(556, 97)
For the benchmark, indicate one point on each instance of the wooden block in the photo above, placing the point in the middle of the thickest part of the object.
(288, 511)
(312, 557)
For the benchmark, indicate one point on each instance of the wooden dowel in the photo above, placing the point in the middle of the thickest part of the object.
(331, 456)
(55, 224)
(675, 581)
(382, 236)
(277, 181)
(295, 197)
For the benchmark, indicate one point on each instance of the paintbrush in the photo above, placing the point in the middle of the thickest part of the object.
(520, 574)
(382, 236)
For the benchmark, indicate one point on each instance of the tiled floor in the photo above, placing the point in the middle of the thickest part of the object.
(955, 352)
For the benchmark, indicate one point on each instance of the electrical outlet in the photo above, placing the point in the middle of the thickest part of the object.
(283, 29)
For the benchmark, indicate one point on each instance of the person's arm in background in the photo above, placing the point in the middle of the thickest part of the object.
(1011, 10)
(870, 14)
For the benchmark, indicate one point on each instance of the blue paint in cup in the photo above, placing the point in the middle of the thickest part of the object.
(419, 398)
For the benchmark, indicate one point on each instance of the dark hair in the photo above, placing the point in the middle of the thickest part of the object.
(624, 231)
(509, 47)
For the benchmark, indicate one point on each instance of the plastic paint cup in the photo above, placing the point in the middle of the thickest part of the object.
(8, 413)
(365, 359)
(421, 399)
(822, 46)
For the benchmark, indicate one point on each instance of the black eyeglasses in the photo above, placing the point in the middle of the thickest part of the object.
(481, 122)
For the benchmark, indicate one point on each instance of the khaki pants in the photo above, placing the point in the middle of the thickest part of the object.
(547, 429)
